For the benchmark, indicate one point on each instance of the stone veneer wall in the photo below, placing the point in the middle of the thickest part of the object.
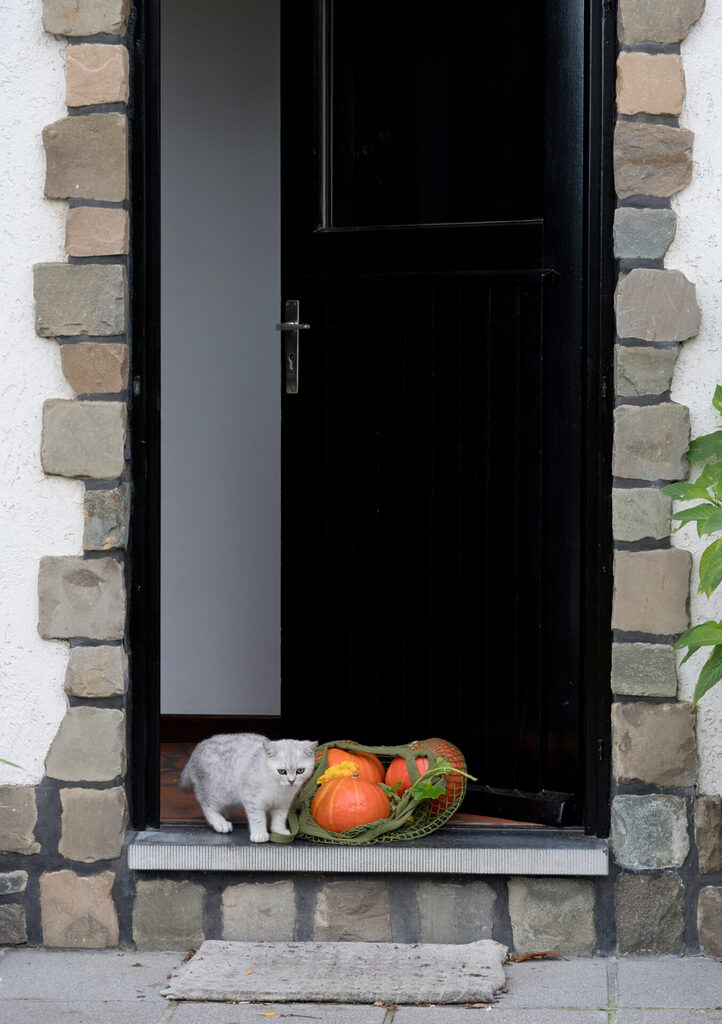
(63, 879)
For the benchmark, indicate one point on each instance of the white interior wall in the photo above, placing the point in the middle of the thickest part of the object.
(696, 251)
(39, 515)
(220, 447)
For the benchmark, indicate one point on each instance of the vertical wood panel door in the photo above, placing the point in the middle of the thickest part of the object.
(431, 450)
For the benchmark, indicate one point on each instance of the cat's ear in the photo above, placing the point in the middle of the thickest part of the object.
(310, 747)
(268, 748)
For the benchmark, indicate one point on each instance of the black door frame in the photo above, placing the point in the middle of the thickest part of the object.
(598, 284)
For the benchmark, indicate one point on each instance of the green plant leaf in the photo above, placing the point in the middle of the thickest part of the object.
(707, 634)
(11, 763)
(685, 491)
(717, 398)
(711, 524)
(710, 675)
(696, 514)
(425, 789)
(710, 568)
(704, 447)
(390, 791)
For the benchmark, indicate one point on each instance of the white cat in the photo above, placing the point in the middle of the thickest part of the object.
(247, 770)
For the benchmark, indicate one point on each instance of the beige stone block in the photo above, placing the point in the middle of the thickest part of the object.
(656, 305)
(89, 746)
(18, 817)
(81, 598)
(97, 231)
(650, 83)
(97, 672)
(555, 914)
(85, 17)
(87, 158)
(93, 824)
(643, 370)
(709, 920)
(656, 21)
(651, 591)
(651, 159)
(259, 912)
(654, 743)
(78, 912)
(352, 912)
(96, 73)
(708, 833)
(83, 439)
(95, 368)
(651, 441)
(168, 914)
(73, 299)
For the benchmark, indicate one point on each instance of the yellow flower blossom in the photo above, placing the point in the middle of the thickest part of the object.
(340, 771)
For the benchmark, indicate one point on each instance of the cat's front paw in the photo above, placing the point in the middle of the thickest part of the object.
(282, 830)
(222, 826)
(259, 837)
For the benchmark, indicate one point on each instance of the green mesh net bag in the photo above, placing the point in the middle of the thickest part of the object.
(409, 818)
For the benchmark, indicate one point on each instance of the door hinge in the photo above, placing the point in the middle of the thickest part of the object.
(600, 750)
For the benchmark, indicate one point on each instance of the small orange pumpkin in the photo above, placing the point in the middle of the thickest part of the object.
(370, 768)
(454, 782)
(398, 772)
(341, 804)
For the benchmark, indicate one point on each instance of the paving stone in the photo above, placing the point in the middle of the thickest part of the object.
(650, 914)
(97, 672)
(18, 817)
(83, 439)
(708, 833)
(12, 925)
(107, 519)
(85, 17)
(650, 83)
(643, 234)
(555, 914)
(93, 824)
(668, 981)
(96, 73)
(709, 920)
(296, 1013)
(12, 882)
(97, 231)
(352, 912)
(81, 598)
(656, 305)
(656, 21)
(87, 158)
(651, 442)
(643, 370)
(649, 832)
(95, 368)
(644, 670)
(654, 743)
(455, 913)
(255, 911)
(168, 915)
(89, 746)
(86, 298)
(651, 159)
(78, 912)
(500, 1015)
(651, 591)
(640, 512)
(88, 978)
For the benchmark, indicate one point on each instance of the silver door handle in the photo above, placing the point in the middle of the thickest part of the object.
(291, 326)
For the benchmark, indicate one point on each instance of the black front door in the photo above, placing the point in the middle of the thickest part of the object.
(432, 450)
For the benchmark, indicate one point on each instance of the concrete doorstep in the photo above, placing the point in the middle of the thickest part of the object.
(342, 972)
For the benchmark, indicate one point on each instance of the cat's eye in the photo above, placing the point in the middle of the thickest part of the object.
(300, 771)
(281, 771)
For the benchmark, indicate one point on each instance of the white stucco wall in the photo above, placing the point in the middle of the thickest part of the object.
(39, 515)
(698, 253)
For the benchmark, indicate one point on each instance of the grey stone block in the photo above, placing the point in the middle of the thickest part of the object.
(640, 512)
(651, 442)
(651, 591)
(168, 915)
(650, 914)
(85, 298)
(254, 911)
(78, 912)
(97, 672)
(708, 833)
(654, 743)
(656, 21)
(85, 17)
(709, 920)
(352, 912)
(651, 160)
(656, 305)
(93, 823)
(649, 832)
(12, 925)
(107, 519)
(642, 370)
(644, 670)
(555, 914)
(81, 597)
(89, 746)
(18, 817)
(12, 882)
(455, 913)
(87, 158)
(83, 439)
(643, 234)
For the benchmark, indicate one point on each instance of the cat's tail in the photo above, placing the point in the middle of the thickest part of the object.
(186, 779)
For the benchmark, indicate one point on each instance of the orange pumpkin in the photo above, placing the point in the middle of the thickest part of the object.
(341, 804)
(398, 772)
(370, 768)
(454, 782)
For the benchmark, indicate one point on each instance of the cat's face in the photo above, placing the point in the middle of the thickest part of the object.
(290, 761)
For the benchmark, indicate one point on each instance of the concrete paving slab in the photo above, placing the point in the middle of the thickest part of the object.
(95, 975)
(574, 983)
(342, 972)
(283, 1013)
(666, 1017)
(496, 1015)
(669, 982)
(34, 1011)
